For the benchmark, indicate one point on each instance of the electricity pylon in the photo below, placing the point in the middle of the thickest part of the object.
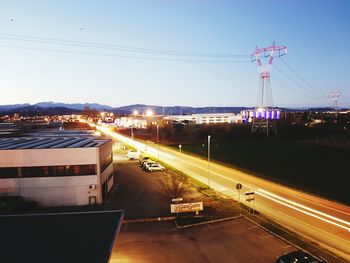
(265, 116)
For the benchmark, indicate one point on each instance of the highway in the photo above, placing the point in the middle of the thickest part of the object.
(322, 221)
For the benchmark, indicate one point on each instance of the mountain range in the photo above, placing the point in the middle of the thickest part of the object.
(52, 108)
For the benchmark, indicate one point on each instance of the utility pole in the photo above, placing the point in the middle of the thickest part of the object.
(158, 140)
(209, 136)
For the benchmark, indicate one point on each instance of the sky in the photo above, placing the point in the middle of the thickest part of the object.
(112, 52)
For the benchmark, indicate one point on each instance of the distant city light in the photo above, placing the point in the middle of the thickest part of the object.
(149, 113)
(135, 112)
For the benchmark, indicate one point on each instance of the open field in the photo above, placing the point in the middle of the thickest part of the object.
(317, 169)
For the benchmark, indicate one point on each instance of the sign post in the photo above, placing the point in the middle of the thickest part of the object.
(186, 207)
(250, 198)
(239, 187)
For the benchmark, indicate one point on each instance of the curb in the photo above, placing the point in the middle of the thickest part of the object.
(143, 220)
(208, 222)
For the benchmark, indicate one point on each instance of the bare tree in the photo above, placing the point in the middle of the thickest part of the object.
(174, 186)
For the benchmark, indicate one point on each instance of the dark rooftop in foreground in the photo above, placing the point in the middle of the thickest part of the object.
(59, 237)
(49, 142)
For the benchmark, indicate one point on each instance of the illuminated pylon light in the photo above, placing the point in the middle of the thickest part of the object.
(264, 116)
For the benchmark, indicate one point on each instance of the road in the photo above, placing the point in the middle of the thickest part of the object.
(322, 221)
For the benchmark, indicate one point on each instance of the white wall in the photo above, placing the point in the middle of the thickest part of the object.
(46, 157)
(58, 191)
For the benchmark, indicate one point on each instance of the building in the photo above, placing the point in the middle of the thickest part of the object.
(206, 118)
(56, 171)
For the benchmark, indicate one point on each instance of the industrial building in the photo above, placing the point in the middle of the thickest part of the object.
(56, 171)
(207, 118)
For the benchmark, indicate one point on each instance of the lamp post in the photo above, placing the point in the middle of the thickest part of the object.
(158, 140)
(209, 136)
(135, 112)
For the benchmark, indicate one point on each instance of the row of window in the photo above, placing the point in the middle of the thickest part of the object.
(48, 171)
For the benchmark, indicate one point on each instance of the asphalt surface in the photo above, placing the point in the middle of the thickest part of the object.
(322, 221)
(237, 240)
(138, 192)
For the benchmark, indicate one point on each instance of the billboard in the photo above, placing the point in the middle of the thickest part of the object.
(186, 207)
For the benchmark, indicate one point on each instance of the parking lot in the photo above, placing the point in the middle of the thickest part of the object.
(139, 194)
(237, 240)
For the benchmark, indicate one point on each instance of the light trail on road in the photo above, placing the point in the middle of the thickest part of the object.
(330, 217)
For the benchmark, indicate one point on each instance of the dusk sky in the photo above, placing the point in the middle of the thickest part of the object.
(192, 72)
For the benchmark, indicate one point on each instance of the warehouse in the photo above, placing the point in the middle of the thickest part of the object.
(56, 171)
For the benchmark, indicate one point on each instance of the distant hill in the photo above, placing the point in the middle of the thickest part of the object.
(52, 108)
(76, 106)
(176, 110)
(13, 106)
(34, 110)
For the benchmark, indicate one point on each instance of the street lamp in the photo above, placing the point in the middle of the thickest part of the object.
(209, 136)
(158, 140)
(149, 113)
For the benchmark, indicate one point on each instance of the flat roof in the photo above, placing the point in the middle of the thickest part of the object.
(59, 237)
(50, 142)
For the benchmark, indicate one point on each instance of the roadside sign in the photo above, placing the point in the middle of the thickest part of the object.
(238, 186)
(250, 199)
(186, 207)
(249, 193)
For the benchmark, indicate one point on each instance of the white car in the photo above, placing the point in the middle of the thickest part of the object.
(155, 167)
(131, 155)
(147, 163)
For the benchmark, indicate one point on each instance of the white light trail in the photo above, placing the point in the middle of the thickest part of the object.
(305, 212)
(304, 207)
(273, 197)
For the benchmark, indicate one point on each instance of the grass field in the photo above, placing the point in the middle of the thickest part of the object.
(317, 169)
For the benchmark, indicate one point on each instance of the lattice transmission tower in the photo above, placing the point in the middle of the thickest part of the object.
(335, 94)
(264, 116)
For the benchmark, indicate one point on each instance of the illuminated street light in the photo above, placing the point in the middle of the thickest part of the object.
(149, 113)
(135, 112)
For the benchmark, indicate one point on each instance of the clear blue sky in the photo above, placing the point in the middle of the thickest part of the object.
(317, 34)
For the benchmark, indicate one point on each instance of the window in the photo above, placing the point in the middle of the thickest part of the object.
(63, 170)
(106, 162)
(10, 172)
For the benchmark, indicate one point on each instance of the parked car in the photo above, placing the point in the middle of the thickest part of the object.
(147, 163)
(298, 256)
(131, 155)
(143, 159)
(155, 167)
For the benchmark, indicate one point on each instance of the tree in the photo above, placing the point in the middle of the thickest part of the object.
(174, 186)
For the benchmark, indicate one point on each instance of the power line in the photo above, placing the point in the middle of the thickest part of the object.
(57, 41)
(291, 88)
(296, 83)
(122, 56)
(301, 78)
